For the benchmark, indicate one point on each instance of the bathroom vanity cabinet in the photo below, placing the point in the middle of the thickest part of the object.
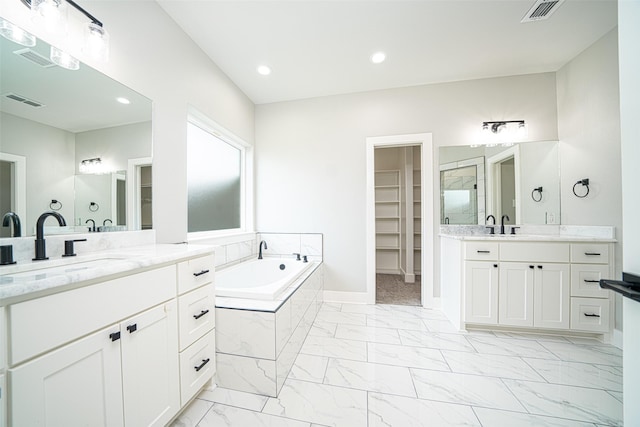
(127, 351)
(527, 284)
(3, 367)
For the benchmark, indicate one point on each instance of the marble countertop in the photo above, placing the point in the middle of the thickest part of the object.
(24, 281)
(528, 238)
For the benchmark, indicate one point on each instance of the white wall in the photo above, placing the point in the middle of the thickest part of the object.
(629, 36)
(589, 131)
(152, 55)
(49, 173)
(310, 154)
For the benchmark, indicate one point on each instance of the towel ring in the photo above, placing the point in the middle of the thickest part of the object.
(93, 207)
(536, 194)
(55, 203)
(585, 183)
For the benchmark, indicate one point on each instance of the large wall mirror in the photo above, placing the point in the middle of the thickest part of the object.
(521, 181)
(51, 120)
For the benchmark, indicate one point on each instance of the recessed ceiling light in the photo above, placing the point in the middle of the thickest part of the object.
(264, 70)
(378, 57)
(122, 100)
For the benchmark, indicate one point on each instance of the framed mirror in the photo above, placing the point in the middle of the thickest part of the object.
(521, 181)
(54, 123)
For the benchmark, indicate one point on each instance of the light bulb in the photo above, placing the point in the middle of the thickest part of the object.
(63, 59)
(16, 34)
(96, 42)
(52, 14)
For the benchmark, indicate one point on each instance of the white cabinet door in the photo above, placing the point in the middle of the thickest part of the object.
(516, 293)
(150, 368)
(481, 292)
(77, 385)
(551, 296)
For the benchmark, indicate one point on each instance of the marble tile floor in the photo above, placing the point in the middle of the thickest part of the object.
(386, 365)
(392, 289)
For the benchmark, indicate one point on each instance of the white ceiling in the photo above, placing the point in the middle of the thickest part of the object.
(319, 48)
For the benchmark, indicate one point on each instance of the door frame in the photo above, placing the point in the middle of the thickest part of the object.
(425, 141)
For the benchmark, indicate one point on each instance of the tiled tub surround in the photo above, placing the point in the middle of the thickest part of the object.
(257, 341)
(232, 250)
(383, 365)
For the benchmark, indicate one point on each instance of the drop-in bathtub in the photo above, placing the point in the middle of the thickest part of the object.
(262, 279)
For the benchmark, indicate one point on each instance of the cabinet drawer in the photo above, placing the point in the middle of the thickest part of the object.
(43, 323)
(478, 251)
(590, 314)
(197, 366)
(196, 314)
(195, 273)
(534, 252)
(585, 280)
(590, 253)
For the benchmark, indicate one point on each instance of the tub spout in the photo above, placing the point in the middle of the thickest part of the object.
(262, 242)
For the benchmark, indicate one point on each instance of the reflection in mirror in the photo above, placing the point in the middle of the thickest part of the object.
(521, 181)
(462, 191)
(50, 120)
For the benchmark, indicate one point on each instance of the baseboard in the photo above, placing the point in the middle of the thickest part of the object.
(388, 271)
(409, 278)
(345, 297)
(616, 338)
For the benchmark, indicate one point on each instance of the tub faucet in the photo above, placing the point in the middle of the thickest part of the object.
(12, 218)
(260, 248)
(502, 223)
(93, 227)
(41, 249)
(492, 228)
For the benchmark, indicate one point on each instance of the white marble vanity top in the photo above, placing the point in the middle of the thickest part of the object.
(528, 238)
(33, 279)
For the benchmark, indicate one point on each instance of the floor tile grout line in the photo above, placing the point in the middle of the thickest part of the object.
(593, 423)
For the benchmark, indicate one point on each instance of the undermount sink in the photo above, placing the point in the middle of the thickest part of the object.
(64, 269)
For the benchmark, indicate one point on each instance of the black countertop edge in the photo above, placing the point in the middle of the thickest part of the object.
(628, 287)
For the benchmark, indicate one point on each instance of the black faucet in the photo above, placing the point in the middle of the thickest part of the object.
(104, 223)
(492, 228)
(502, 223)
(93, 227)
(13, 218)
(260, 248)
(41, 249)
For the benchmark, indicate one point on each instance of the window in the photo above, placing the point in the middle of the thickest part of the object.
(215, 179)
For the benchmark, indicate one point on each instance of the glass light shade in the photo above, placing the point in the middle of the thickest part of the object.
(63, 59)
(16, 34)
(52, 14)
(96, 43)
(91, 166)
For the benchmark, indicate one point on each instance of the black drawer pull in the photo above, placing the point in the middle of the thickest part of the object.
(591, 281)
(201, 273)
(540, 266)
(202, 313)
(484, 252)
(495, 265)
(531, 266)
(204, 362)
(132, 328)
(592, 253)
(115, 336)
(591, 315)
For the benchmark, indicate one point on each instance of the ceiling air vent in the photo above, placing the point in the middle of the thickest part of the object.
(542, 9)
(35, 57)
(23, 100)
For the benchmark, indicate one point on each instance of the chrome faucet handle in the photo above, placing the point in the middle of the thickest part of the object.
(297, 256)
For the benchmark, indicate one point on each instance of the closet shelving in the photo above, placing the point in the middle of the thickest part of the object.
(417, 220)
(387, 197)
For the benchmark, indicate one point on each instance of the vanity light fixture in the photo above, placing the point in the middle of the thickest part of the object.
(53, 15)
(91, 166)
(378, 57)
(12, 32)
(504, 132)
